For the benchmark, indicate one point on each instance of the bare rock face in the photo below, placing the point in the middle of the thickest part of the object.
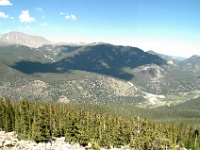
(9, 141)
(19, 38)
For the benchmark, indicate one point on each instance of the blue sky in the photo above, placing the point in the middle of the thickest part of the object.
(166, 26)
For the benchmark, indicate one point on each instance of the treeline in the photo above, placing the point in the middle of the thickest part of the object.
(42, 122)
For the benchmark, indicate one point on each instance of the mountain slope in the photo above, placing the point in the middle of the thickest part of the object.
(72, 75)
(191, 64)
(103, 59)
(170, 60)
(95, 73)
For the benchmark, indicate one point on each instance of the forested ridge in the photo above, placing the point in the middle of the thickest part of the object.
(43, 121)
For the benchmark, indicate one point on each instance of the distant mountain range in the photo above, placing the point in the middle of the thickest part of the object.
(19, 38)
(34, 68)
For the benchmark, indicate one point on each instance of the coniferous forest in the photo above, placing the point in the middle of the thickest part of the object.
(42, 122)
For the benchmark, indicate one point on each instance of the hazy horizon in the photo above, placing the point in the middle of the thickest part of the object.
(167, 27)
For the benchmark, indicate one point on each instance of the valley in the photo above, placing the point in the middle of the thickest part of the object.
(97, 73)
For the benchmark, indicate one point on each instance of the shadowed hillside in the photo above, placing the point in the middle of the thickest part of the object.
(103, 59)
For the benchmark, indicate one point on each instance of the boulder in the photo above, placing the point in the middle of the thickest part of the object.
(60, 141)
(66, 146)
(2, 133)
(8, 143)
(89, 146)
(77, 146)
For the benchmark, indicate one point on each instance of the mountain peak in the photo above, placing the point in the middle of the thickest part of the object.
(194, 57)
(20, 38)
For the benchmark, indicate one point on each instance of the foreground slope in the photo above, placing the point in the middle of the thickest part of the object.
(47, 121)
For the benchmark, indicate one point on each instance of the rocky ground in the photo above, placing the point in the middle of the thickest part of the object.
(9, 141)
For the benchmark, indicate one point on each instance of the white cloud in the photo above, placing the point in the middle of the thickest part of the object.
(44, 24)
(39, 9)
(3, 15)
(28, 28)
(25, 17)
(5, 3)
(12, 18)
(73, 17)
(70, 17)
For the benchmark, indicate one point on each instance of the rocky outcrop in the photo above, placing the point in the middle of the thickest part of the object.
(9, 141)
